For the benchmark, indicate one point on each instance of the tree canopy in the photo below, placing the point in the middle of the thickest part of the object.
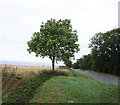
(56, 40)
(105, 53)
(84, 62)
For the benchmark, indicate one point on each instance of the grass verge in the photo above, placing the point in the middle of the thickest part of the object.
(77, 74)
(78, 89)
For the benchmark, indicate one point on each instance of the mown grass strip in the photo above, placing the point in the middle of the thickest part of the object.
(77, 74)
(63, 89)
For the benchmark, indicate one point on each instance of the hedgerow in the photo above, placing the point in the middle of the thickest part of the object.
(22, 94)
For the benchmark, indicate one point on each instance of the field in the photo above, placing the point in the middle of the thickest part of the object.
(25, 68)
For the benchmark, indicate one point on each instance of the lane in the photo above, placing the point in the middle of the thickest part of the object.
(101, 77)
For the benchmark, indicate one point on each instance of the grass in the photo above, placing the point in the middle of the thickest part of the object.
(12, 80)
(13, 76)
(26, 91)
(78, 89)
(65, 86)
(77, 74)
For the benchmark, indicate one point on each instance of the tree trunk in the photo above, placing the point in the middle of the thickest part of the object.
(53, 60)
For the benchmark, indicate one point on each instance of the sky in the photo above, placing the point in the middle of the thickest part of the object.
(19, 19)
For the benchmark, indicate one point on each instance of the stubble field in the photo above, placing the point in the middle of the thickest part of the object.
(26, 68)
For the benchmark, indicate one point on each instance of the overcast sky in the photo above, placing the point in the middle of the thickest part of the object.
(20, 18)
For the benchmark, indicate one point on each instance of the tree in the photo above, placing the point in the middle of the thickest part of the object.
(76, 64)
(68, 63)
(84, 63)
(105, 49)
(55, 40)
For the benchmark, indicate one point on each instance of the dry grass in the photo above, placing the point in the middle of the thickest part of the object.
(25, 68)
(14, 75)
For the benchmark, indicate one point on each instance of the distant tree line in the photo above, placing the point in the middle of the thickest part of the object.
(84, 63)
(105, 53)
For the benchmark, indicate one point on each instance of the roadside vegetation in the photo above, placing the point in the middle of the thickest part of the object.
(73, 73)
(10, 81)
(63, 89)
(75, 88)
(58, 87)
(26, 91)
(105, 53)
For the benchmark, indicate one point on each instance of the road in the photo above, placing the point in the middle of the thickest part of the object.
(102, 77)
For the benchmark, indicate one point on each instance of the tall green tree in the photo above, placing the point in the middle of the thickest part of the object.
(76, 65)
(68, 63)
(84, 63)
(56, 40)
(105, 49)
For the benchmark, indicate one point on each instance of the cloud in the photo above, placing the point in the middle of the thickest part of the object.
(20, 18)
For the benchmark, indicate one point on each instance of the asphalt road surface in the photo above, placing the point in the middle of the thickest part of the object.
(101, 77)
